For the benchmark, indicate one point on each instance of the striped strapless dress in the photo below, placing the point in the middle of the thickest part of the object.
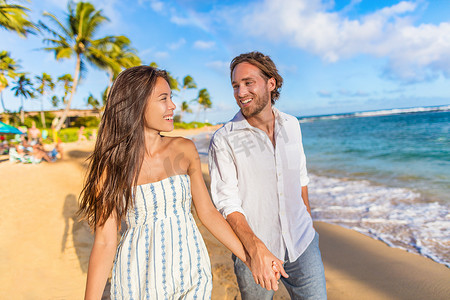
(162, 255)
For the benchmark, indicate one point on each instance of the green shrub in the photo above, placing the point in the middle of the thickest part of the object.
(190, 125)
(37, 119)
(86, 122)
(68, 135)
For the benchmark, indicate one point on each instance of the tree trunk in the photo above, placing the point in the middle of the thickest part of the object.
(3, 103)
(42, 114)
(22, 116)
(72, 93)
(22, 113)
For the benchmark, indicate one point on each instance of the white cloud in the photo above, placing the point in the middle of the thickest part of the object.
(177, 44)
(161, 54)
(348, 93)
(222, 67)
(324, 94)
(109, 10)
(204, 44)
(414, 52)
(191, 19)
(156, 5)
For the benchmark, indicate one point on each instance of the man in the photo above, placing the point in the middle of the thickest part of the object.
(259, 183)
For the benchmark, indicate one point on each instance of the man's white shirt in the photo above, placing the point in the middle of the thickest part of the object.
(251, 176)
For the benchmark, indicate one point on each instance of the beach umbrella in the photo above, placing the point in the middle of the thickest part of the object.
(5, 128)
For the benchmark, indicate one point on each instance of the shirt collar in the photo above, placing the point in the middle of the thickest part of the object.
(239, 122)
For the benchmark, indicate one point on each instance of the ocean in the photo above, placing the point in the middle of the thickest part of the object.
(385, 174)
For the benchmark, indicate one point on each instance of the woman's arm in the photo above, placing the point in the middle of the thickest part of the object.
(206, 211)
(102, 258)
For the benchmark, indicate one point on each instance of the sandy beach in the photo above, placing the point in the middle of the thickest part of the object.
(45, 249)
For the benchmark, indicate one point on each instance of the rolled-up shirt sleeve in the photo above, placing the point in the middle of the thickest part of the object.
(304, 179)
(224, 183)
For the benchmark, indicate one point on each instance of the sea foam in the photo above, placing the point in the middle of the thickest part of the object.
(397, 216)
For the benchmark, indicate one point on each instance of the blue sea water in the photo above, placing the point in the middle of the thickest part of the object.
(386, 175)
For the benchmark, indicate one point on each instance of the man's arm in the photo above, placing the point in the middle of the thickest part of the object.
(225, 195)
(306, 198)
(261, 258)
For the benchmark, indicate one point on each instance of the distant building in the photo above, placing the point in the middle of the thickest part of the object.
(72, 113)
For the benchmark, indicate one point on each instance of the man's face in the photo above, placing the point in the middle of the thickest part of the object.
(251, 89)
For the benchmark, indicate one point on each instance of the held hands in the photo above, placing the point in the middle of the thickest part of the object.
(267, 269)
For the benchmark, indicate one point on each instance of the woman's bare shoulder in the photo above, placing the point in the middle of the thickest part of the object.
(181, 144)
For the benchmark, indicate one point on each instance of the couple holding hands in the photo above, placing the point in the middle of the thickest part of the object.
(259, 208)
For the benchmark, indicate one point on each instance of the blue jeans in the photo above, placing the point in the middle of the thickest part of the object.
(306, 277)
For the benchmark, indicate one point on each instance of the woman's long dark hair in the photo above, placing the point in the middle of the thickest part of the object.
(119, 150)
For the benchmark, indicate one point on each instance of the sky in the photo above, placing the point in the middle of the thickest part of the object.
(334, 56)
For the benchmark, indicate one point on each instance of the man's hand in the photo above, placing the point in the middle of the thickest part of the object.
(259, 259)
(266, 268)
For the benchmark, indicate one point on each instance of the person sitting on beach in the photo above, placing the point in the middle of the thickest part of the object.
(25, 153)
(40, 154)
(148, 179)
(24, 146)
(81, 136)
(259, 183)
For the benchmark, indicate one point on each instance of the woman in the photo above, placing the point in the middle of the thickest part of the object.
(147, 179)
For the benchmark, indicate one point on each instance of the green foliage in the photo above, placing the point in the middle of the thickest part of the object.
(189, 83)
(177, 119)
(204, 99)
(86, 122)
(8, 68)
(23, 87)
(37, 119)
(70, 135)
(45, 83)
(14, 17)
(190, 125)
(92, 101)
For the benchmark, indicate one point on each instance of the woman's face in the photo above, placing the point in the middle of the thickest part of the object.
(159, 110)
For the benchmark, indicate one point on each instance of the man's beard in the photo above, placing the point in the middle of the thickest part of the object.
(258, 106)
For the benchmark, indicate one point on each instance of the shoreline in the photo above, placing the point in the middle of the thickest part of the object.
(46, 249)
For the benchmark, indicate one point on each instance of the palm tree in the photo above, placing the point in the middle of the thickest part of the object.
(189, 83)
(204, 100)
(173, 82)
(76, 39)
(92, 101)
(116, 56)
(8, 68)
(13, 17)
(45, 83)
(67, 82)
(23, 87)
(184, 108)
